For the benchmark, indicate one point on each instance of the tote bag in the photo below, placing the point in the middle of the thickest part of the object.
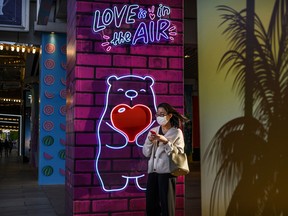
(178, 163)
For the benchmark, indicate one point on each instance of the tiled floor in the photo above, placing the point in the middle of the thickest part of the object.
(20, 194)
(193, 191)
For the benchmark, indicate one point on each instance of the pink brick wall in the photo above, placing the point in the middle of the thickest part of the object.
(88, 66)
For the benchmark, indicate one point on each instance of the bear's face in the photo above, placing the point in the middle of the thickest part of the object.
(131, 90)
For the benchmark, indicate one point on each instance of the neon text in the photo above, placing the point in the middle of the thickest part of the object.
(152, 25)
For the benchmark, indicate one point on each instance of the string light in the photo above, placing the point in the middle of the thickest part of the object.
(10, 100)
(19, 47)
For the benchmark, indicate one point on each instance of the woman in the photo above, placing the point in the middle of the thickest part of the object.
(160, 142)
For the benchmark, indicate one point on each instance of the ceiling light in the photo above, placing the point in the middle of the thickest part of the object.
(23, 48)
(1, 46)
(18, 48)
(34, 50)
(12, 48)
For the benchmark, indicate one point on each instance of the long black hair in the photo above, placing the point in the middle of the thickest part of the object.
(176, 116)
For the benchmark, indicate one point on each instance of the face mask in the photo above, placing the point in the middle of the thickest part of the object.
(162, 120)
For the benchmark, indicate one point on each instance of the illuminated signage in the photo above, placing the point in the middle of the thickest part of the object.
(151, 24)
(131, 120)
(126, 116)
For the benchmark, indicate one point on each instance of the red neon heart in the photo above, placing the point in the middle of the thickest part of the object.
(131, 121)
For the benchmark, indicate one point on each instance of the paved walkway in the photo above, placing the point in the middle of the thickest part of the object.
(193, 191)
(20, 194)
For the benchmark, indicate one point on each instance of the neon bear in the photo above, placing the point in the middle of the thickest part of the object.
(119, 161)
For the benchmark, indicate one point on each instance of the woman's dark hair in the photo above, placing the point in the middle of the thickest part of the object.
(176, 116)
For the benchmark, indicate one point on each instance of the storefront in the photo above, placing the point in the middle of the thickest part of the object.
(108, 58)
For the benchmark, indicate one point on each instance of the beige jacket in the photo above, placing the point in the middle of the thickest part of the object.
(159, 160)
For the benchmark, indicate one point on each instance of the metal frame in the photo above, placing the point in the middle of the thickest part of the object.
(24, 26)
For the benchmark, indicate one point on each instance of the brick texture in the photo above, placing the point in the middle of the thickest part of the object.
(89, 64)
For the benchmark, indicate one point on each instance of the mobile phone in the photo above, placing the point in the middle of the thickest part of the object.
(152, 132)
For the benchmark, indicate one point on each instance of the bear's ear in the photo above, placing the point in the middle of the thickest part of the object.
(149, 80)
(111, 78)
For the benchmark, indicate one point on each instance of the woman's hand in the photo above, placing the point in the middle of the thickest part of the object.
(158, 137)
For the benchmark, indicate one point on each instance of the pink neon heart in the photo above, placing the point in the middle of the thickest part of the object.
(131, 121)
(152, 16)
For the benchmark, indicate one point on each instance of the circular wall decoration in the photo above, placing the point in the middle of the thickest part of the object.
(62, 110)
(63, 81)
(47, 156)
(64, 65)
(62, 171)
(63, 127)
(50, 48)
(62, 154)
(48, 125)
(48, 140)
(49, 95)
(62, 142)
(49, 64)
(63, 49)
(47, 170)
(49, 79)
(63, 93)
(48, 110)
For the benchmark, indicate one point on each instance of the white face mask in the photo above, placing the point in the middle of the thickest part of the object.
(162, 120)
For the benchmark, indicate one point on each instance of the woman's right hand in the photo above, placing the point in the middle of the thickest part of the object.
(157, 137)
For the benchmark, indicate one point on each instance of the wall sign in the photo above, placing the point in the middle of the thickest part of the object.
(127, 116)
(150, 25)
(14, 15)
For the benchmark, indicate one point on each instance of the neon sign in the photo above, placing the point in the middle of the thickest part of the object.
(131, 120)
(124, 120)
(152, 25)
